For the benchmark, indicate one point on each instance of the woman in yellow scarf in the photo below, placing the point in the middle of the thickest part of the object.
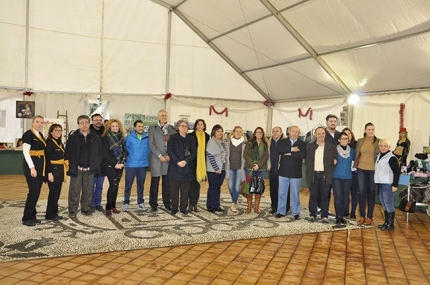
(202, 139)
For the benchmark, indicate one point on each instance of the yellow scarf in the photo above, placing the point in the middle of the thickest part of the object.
(201, 157)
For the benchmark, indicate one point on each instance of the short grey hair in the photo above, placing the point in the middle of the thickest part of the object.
(179, 122)
(83, 117)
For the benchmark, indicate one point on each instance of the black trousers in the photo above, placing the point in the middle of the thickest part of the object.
(319, 186)
(34, 186)
(165, 191)
(194, 193)
(274, 191)
(329, 197)
(114, 177)
(53, 196)
(181, 189)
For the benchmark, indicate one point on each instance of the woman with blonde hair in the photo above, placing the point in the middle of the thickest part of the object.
(113, 152)
(256, 155)
(34, 168)
(235, 172)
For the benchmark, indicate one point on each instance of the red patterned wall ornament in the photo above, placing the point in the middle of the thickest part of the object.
(167, 96)
(308, 112)
(269, 103)
(28, 93)
(402, 113)
(212, 108)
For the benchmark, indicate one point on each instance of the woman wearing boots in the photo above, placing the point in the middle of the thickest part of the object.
(256, 156)
(387, 172)
(113, 152)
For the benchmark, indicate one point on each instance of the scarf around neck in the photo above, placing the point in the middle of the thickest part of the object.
(237, 142)
(201, 157)
(116, 144)
(343, 152)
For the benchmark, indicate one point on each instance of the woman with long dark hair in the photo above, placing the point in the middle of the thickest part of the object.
(56, 168)
(352, 143)
(256, 156)
(113, 152)
(366, 151)
(201, 138)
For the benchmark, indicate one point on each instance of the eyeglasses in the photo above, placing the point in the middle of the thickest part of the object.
(258, 132)
(57, 130)
(84, 123)
(183, 126)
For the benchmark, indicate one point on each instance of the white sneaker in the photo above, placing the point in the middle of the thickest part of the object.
(125, 208)
(142, 207)
(233, 207)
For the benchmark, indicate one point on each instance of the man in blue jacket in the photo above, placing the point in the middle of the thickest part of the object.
(137, 151)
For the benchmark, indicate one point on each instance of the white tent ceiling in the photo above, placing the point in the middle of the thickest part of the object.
(290, 49)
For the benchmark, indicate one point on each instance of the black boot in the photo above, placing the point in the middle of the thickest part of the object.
(386, 221)
(390, 224)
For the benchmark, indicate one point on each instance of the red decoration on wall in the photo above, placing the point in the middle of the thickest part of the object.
(269, 103)
(212, 108)
(308, 112)
(27, 93)
(402, 113)
(167, 96)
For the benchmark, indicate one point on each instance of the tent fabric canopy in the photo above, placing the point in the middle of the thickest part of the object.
(320, 48)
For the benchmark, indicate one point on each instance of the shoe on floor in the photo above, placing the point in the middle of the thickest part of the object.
(325, 220)
(116, 211)
(29, 223)
(72, 215)
(318, 211)
(125, 208)
(100, 208)
(272, 211)
(312, 219)
(343, 221)
(37, 221)
(55, 218)
(174, 212)
(352, 216)
(337, 222)
(331, 215)
(184, 212)
(367, 222)
(93, 209)
(211, 210)
(87, 213)
(108, 213)
(296, 217)
(154, 209)
(233, 207)
(278, 215)
(360, 221)
(142, 207)
(218, 209)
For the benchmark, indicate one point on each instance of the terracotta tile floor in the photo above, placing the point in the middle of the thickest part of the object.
(357, 257)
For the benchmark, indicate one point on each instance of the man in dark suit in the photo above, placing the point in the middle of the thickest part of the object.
(292, 151)
(321, 158)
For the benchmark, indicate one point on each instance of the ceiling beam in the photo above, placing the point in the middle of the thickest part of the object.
(214, 47)
(277, 14)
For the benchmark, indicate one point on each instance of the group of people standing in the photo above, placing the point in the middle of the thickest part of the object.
(183, 160)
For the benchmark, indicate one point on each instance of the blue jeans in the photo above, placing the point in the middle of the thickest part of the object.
(97, 190)
(234, 183)
(215, 181)
(354, 194)
(130, 174)
(341, 188)
(386, 195)
(366, 192)
(294, 185)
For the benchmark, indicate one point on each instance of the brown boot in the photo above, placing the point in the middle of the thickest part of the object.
(257, 203)
(249, 199)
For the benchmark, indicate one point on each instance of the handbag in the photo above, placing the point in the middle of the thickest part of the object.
(407, 206)
(426, 195)
(242, 189)
(256, 185)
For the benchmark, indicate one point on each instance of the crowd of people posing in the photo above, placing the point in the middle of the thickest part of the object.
(183, 160)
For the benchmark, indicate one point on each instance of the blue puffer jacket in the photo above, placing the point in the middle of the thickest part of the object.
(137, 150)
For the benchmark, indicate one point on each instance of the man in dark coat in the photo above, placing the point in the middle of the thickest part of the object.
(84, 155)
(321, 158)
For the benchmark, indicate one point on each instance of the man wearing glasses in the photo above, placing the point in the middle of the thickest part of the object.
(84, 155)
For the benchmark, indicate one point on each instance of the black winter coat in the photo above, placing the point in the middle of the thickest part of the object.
(178, 149)
(72, 153)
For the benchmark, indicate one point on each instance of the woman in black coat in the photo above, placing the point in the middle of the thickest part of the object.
(56, 167)
(113, 152)
(181, 149)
